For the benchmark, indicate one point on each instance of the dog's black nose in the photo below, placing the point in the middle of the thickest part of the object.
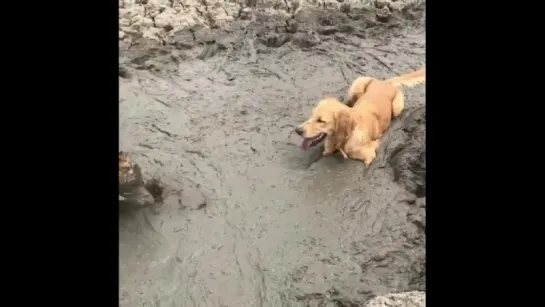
(299, 131)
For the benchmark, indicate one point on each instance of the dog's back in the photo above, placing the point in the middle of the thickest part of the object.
(379, 94)
(377, 101)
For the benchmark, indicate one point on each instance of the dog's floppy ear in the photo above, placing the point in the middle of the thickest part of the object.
(344, 124)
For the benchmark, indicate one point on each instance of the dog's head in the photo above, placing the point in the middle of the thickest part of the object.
(327, 118)
(126, 167)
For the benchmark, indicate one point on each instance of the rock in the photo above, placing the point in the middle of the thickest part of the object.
(413, 15)
(124, 22)
(404, 299)
(291, 26)
(305, 40)
(379, 4)
(224, 13)
(132, 34)
(369, 23)
(395, 5)
(121, 35)
(384, 15)
(345, 8)
(204, 35)
(275, 40)
(159, 19)
(183, 39)
(153, 33)
(210, 51)
(165, 18)
(346, 29)
(361, 34)
(141, 22)
(245, 14)
(124, 73)
(327, 30)
(126, 15)
(348, 40)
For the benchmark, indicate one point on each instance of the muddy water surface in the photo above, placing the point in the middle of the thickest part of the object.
(247, 217)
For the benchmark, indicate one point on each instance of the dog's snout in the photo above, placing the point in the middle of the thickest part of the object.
(300, 130)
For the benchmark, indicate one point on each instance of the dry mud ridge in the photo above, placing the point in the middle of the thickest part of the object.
(210, 93)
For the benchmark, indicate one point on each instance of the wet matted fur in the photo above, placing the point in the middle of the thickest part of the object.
(126, 168)
(355, 128)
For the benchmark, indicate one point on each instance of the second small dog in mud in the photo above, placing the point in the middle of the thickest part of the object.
(355, 129)
(132, 189)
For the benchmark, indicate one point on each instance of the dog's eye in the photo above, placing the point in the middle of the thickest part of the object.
(320, 120)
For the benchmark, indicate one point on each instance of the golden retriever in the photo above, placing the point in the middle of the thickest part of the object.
(126, 167)
(355, 128)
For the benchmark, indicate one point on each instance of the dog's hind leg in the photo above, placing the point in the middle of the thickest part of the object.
(398, 103)
(357, 89)
(366, 153)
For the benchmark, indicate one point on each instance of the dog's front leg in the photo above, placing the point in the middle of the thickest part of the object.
(343, 153)
(329, 147)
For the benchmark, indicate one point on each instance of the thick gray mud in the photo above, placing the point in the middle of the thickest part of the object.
(247, 218)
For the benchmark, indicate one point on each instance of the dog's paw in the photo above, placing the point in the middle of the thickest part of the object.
(327, 153)
(368, 161)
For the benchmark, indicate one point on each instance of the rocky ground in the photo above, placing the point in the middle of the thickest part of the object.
(210, 93)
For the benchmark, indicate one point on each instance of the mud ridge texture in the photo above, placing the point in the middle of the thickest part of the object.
(162, 19)
(240, 216)
(407, 299)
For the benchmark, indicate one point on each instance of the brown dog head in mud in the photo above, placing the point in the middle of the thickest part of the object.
(126, 168)
(328, 118)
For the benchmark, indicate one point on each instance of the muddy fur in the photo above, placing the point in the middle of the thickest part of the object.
(354, 129)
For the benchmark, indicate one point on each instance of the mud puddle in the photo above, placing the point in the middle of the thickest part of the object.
(247, 218)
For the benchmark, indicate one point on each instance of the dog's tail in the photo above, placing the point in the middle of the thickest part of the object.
(411, 79)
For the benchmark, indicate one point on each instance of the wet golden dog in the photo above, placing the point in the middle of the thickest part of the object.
(354, 129)
(126, 167)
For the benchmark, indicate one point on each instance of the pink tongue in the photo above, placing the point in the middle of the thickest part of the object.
(306, 144)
